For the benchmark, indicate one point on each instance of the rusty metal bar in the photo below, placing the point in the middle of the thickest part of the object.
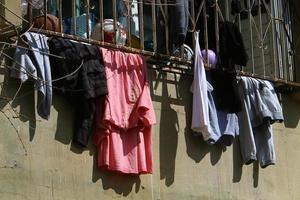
(216, 13)
(251, 35)
(153, 16)
(199, 11)
(141, 24)
(101, 20)
(205, 35)
(113, 46)
(284, 43)
(74, 16)
(29, 11)
(227, 15)
(166, 25)
(87, 19)
(261, 37)
(45, 14)
(60, 14)
(195, 21)
(128, 19)
(114, 9)
(274, 62)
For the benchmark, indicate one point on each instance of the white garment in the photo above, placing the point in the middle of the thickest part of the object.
(34, 63)
(200, 112)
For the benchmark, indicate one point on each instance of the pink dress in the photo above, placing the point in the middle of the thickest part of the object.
(124, 119)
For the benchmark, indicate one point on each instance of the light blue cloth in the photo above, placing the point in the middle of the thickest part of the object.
(34, 63)
(229, 127)
(261, 108)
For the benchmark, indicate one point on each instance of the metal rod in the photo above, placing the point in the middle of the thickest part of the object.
(113, 46)
(261, 37)
(114, 9)
(153, 15)
(29, 11)
(87, 19)
(278, 44)
(251, 35)
(205, 34)
(199, 11)
(101, 31)
(273, 35)
(45, 14)
(227, 15)
(195, 21)
(60, 15)
(74, 16)
(289, 39)
(167, 26)
(128, 18)
(216, 13)
(141, 24)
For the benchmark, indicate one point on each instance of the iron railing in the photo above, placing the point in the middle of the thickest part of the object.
(266, 26)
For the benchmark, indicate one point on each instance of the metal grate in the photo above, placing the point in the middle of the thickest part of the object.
(266, 27)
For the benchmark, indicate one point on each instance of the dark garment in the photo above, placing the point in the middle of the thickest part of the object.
(236, 7)
(82, 87)
(177, 24)
(232, 49)
(225, 91)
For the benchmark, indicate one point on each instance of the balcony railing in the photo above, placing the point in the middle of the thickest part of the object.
(266, 26)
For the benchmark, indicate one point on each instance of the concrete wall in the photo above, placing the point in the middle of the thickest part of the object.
(37, 160)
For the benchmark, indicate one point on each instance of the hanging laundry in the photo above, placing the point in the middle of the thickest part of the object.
(200, 113)
(34, 63)
(229, 127)
(123, 128)
(84, 81)
(214, 125)
(261, 108)
(225, 91)
(232, 48)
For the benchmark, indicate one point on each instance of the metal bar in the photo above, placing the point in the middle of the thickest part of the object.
(251, 35)
(74, 16)
(29, 11)
(261, 38)
(158, 57)
(114, 9)
(278, 44)
(288, 30)
(273, 35)
(216, 13)
(153, 15)
(128, 19)
(283, 41)
(113, 46)
(167, 26)
(45, 14)
(205, 35)
(141, 24)
(199, 11)
(101, 20)
(87, 19)
(193, 17)
(227, 15)
(60, 15)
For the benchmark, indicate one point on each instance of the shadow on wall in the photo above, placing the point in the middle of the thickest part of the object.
(196, 147)
(168, 137)
(291, 109)
(65, 120)
(14, 94)
(122, 184)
